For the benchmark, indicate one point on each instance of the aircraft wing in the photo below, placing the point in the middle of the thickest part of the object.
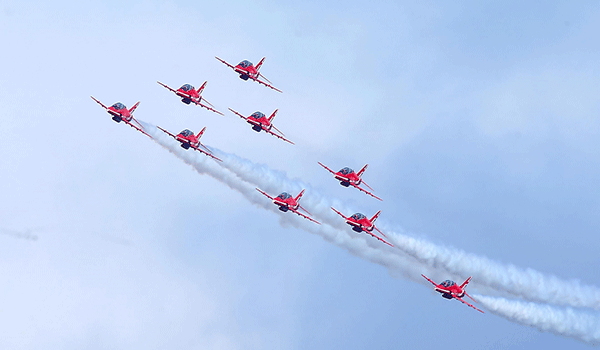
(304, 216)
(265, 84)
(342, 215)
(379, 238)
(383, 234)
(100, 103)
(168, 133)
(230, 66)
(170, 88)
(206, 148)
(364, 183)
(301, 207)
(263, 192)
(425, 277)
(279, 136)
(464, 302)
(207, 107)
(365, 191)
(241, 116)
(203, 151)
(140, 128)
(331, 171)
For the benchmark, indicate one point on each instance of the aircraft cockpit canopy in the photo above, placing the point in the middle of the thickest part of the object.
(257, 115)
(346, 171)
(245, 64)
(448, 283)
(118, 106)
(358, 216)
(284, 195)
(187, 87)
(186, 133)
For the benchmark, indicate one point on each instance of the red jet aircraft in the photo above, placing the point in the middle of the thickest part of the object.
(286, 202)
(247, 70)
(187, 139)
(120, 113)
(188, 94)
(348, 177)
(360, 223)
(450, 290)
(260, 122)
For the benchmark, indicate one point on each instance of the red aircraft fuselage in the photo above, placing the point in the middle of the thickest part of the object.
(449, 289)
(246, 70)
(360, 223)
(187, 139)
(188, 94)
(285, 201)
(347, 176)
(259, 121)
(120, 112)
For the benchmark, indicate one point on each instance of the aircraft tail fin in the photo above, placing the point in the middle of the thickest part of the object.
(299, 195)
(273, 115)
(273, 126)
(134, 107)
(375, 217)
(362, 171)
(200, 134)
(260, 64)
(198, 143)
(465, 282)
(201, 88)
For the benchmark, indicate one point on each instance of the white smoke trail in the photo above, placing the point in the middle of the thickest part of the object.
(561, 321)
(422, 257)
(397, 264)
(526, 283)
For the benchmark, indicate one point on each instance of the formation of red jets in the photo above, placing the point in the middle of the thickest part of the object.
(286, 202)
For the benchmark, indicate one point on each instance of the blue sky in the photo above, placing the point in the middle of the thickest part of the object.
(479, 122)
